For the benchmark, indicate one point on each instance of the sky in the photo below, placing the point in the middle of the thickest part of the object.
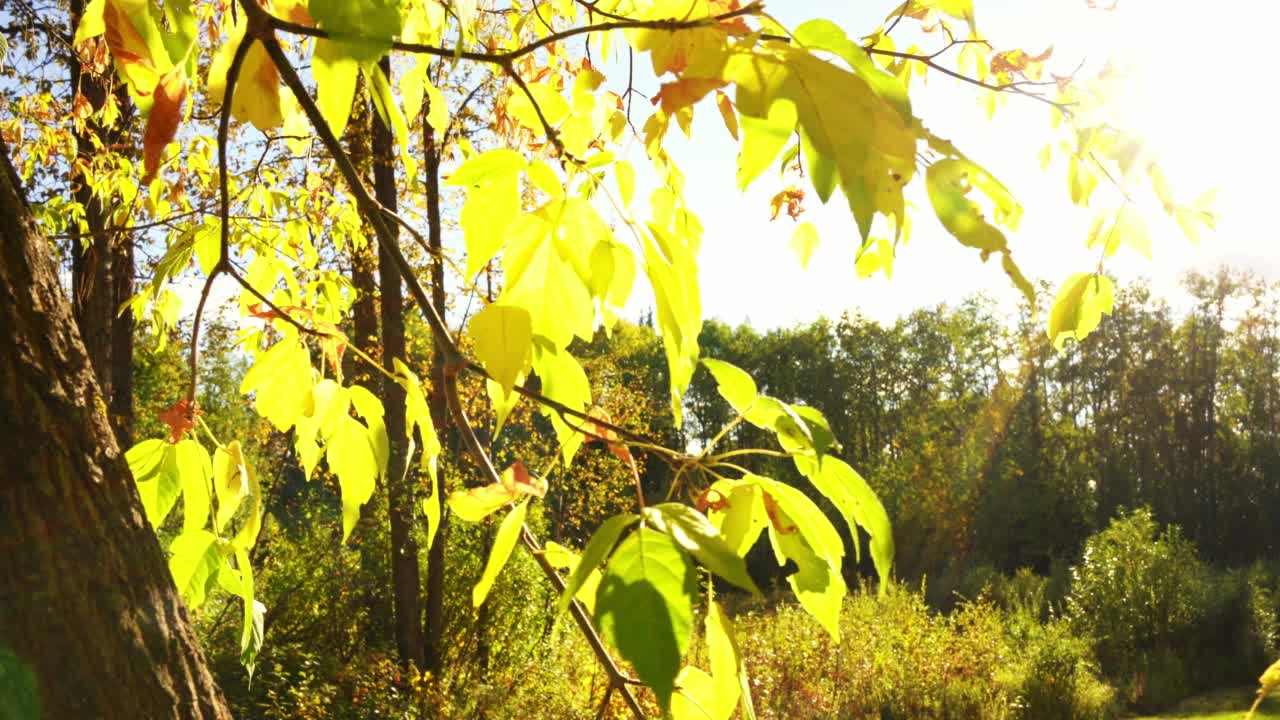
(1196, 100)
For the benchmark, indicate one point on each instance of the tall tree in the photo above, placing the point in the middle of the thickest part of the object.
(102, 263)
(87, 604)
(405, 573)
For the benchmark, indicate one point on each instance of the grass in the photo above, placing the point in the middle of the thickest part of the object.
(1227, 704)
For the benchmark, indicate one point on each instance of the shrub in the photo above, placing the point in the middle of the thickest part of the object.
(1057, 679)
(1140, 592)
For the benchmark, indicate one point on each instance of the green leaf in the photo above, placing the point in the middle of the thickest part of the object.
(155, 470)
(281, 381)
(418, 414)
(248, 534)
(503, 543)
(673, 274)
(825, 35)
(91, 22)
(644, 607)
(362, 29)
(728, 672)
(1079, 307)
(801, 533)
(369, 408)
(733, 384)
(695, 696)
(564, 381)
(251, 628)
(804, 241)
(191, 462)
(384, 102)
(769, 413)
(433, 509)
(488, 166)
(563, 558)
(763, 138)
(503, 336)
(857, 503)
(694, 532)
(949, 182)
(739, 514)
(598, 547)
(194, 562)
(478, 503)
(819, 430)
(625, 174)
(230, 481)
(336, 73)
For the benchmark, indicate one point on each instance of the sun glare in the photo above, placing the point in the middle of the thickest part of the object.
(1194, 94)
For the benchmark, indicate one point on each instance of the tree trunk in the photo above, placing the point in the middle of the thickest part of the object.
(369, 533)
(404, 548)
(102, 266)
(88, 611)
(435, 642)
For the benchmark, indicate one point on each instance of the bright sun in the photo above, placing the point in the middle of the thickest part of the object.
(1195, 94)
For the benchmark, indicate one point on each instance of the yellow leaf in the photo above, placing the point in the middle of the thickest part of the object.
(804, 241)
(503, 543)
(503, 336)
(335, 73)
(1079, 306)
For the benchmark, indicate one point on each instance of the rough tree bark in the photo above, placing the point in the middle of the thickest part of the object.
(87, 604)
(405, 574)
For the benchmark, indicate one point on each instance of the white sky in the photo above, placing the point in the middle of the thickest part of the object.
(1209, 120)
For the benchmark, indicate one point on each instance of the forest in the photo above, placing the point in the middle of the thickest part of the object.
(363, 363)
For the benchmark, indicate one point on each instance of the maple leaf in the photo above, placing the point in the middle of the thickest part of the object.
(180, 419)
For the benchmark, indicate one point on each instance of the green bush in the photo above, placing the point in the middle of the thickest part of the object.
(1140, 592)
(1056, 678)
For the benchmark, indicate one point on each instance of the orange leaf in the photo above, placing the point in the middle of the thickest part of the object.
(162, 123)
(792, 198)
(518, 480)
(713, 499)
(728, 113)
(180, 419)
(683, 93)
(771, 509)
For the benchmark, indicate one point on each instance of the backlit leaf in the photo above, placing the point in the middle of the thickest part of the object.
(1079, 306)
(163, 119)
(598, 547)
(694, 532)
(362, 29)
(351, 458)
(194, 562)
(644, 607)
(335, 73)
(804, 240)
(503, 337)
(503, 543)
